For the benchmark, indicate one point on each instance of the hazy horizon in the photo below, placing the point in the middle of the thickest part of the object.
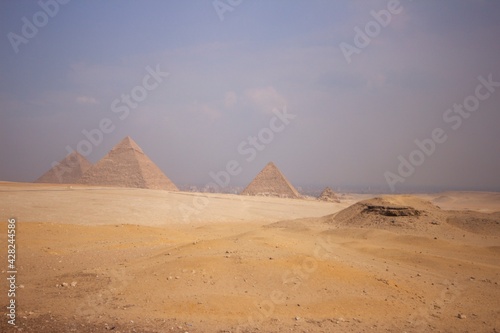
(344, 93)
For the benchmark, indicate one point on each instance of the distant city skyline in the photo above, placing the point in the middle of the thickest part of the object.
(389, 95)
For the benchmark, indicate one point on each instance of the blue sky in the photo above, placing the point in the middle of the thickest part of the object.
(353, 120)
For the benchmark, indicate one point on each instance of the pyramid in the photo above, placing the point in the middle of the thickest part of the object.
(271, 182)
(328, 195)
(68, 171)
(126, 165)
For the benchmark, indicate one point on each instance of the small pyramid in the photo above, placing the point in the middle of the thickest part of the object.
(126, 165)
(68, 171)
(328, 195)
(271, 182)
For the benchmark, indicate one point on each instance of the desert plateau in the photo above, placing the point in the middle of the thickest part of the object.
(94, 259)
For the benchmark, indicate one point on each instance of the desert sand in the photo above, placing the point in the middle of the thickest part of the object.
(97, 259)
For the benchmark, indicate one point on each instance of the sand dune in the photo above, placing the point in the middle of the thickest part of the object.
(248, 264)
(95, 205)
(486, 202)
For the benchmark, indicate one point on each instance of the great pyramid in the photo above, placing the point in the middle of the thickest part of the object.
(271, 182)
(68, 171)
(126, 165)
(328, 195)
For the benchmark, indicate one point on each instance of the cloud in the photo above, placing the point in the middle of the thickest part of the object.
(203, 112)
(266, 98)
(209, 112)
(230, 99)
(86, 100)
(376, 81)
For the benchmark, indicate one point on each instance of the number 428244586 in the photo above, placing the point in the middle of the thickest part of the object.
(11, 235)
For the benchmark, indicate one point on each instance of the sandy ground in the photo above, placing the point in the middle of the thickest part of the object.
(122, 260)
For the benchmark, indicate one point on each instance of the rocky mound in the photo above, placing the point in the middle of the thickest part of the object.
(391, 211)
(409, 212)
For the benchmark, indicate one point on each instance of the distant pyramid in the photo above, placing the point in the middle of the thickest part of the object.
(271, 182)
(328, 195)
(126, 165)
(68, 171)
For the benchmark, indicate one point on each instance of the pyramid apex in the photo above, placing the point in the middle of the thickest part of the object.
(75, 154)
(128, 139)
(271, 165)
(128, 143)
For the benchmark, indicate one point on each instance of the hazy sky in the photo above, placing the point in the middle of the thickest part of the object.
(354, 93)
